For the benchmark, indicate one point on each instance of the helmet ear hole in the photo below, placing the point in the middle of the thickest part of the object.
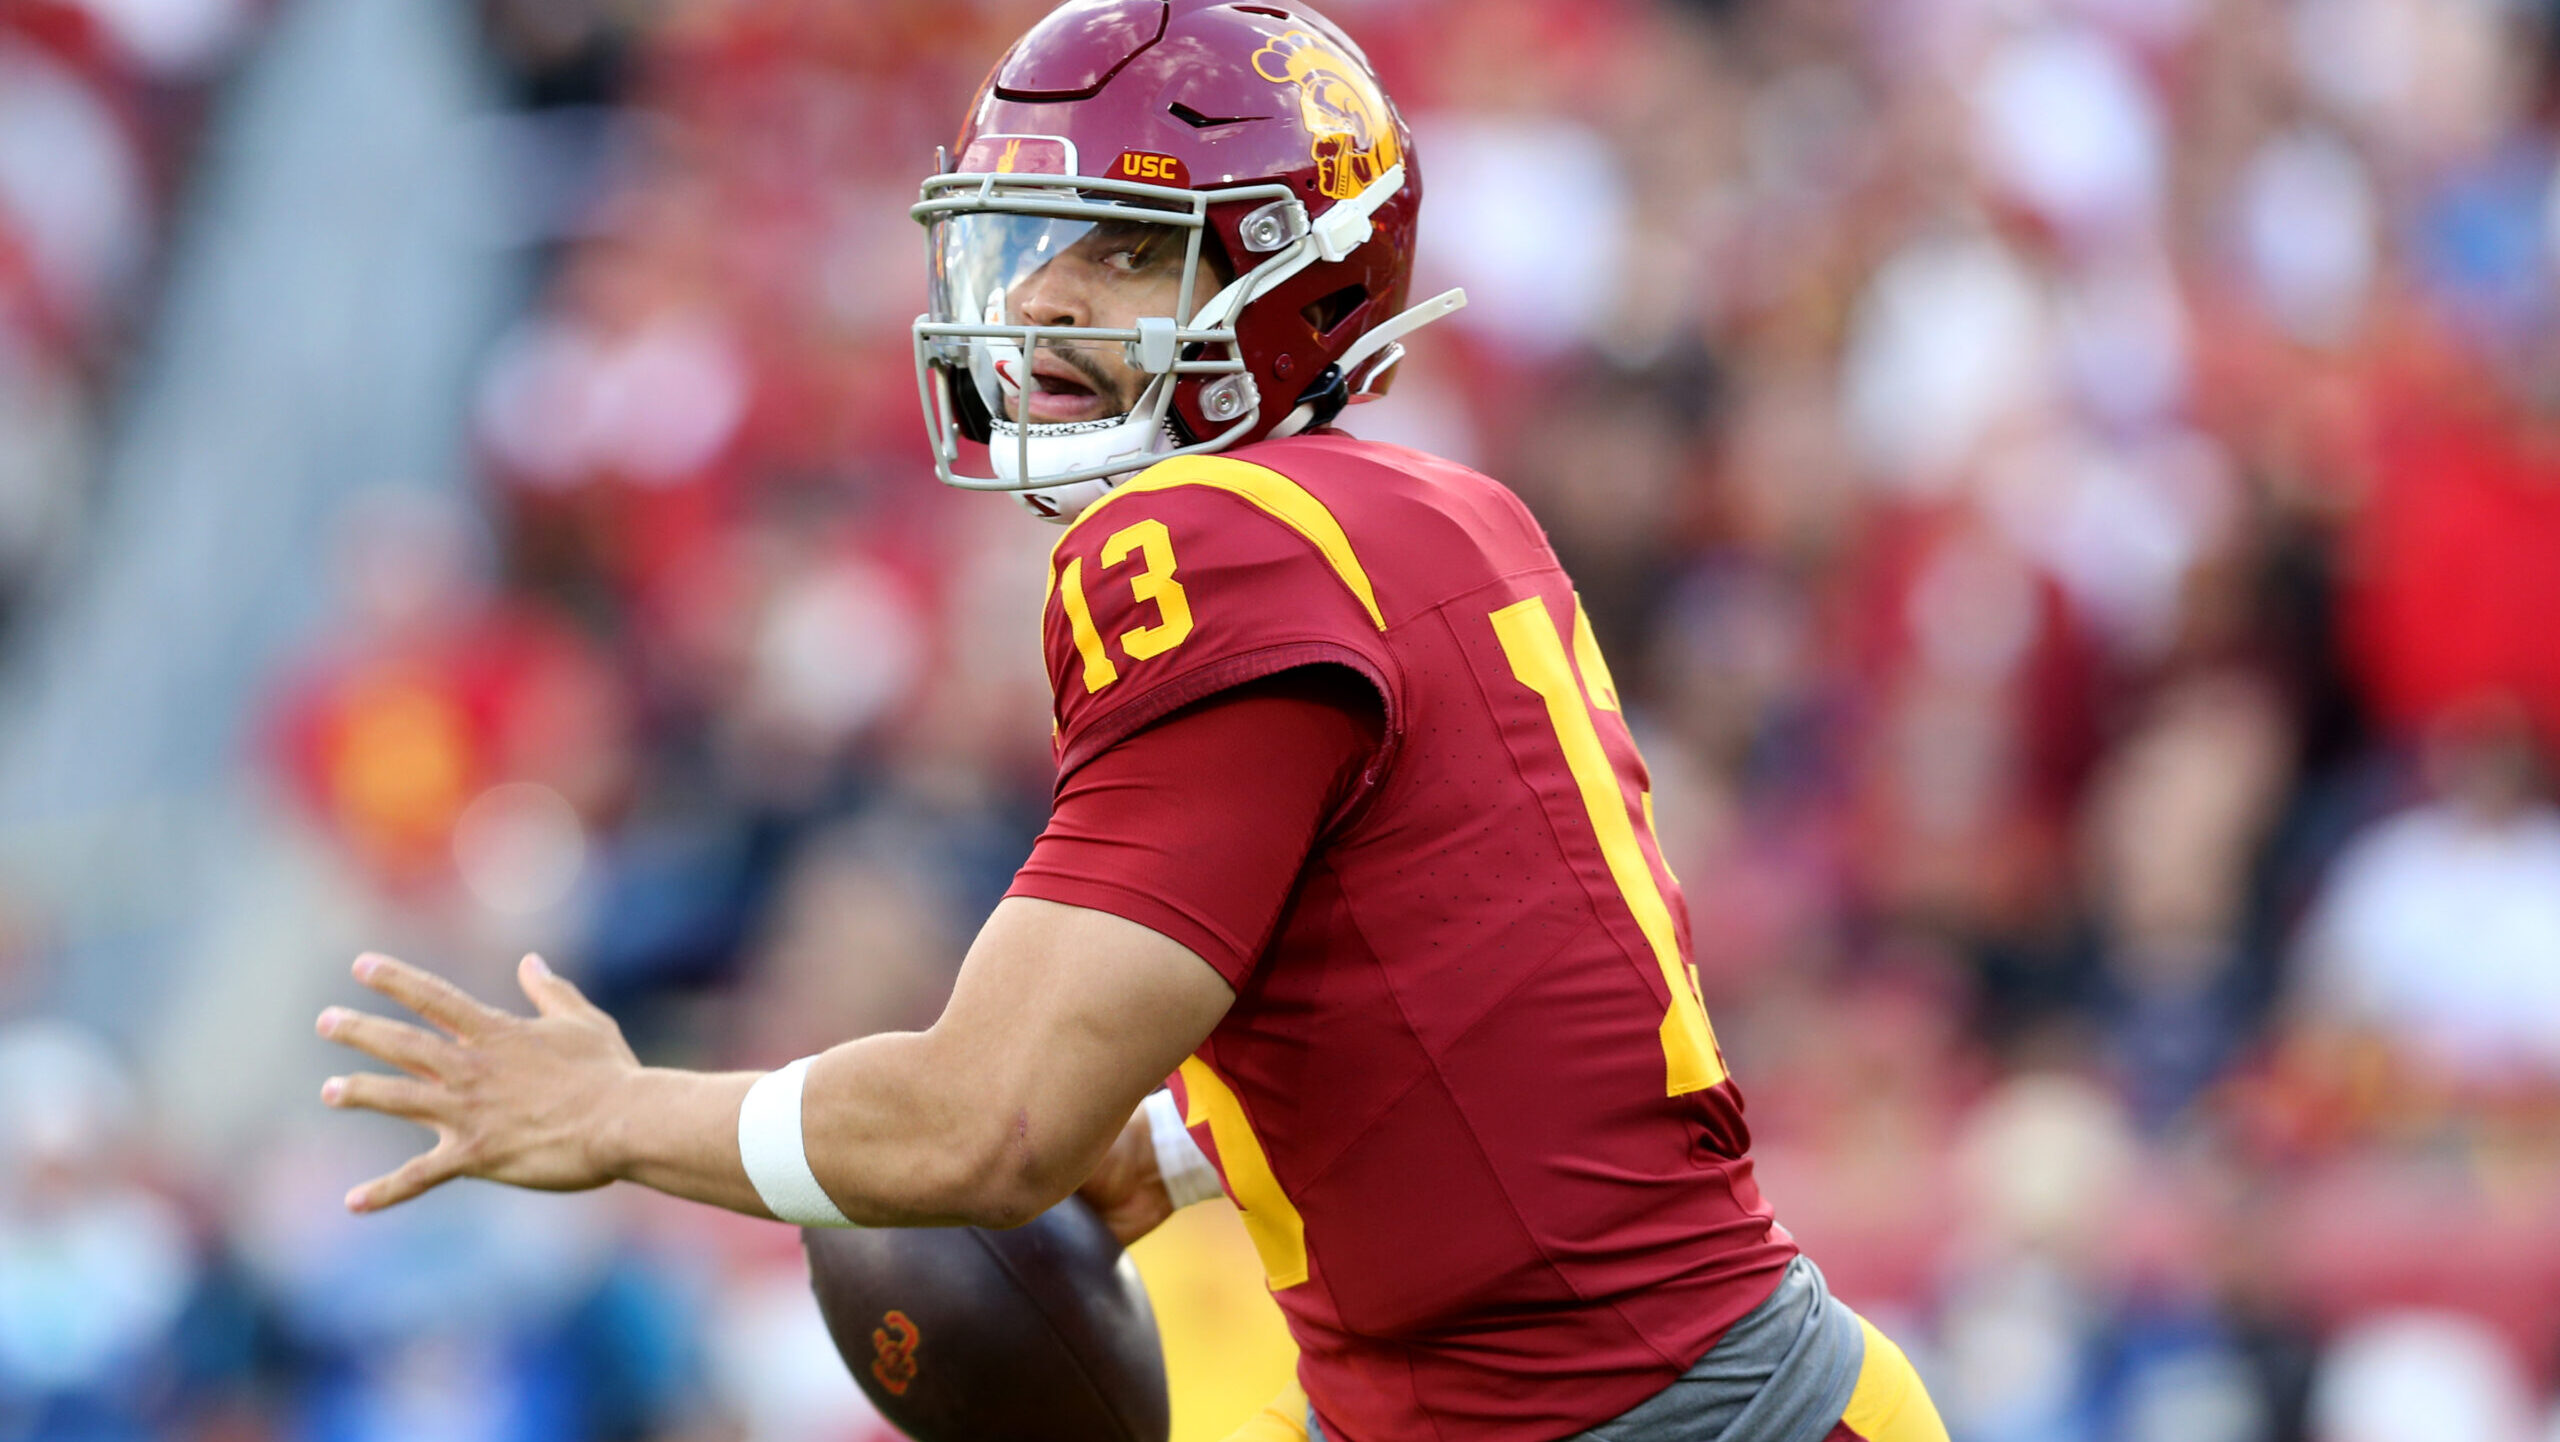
(1213, 256)
(1328, 313)
(969, 411)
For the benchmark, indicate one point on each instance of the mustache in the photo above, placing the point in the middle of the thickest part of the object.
(1076, 359)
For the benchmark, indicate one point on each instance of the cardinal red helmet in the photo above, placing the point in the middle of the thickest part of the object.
(1250, 137)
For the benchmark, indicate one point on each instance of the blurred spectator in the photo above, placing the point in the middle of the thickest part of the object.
(563, 52)
(1948, 343)
(2174, 818)
(2440, 927)
(96, 1264)
(613, 417)
(475, 1313)
(397, 734)
(2305, 217)
(1534, 225)
(45, 456)
(2452, 554)
(173, 41)
(864, 939)
(72, 186)
(2423, 1377)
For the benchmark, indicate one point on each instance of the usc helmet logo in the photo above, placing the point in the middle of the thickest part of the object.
(1355, 133)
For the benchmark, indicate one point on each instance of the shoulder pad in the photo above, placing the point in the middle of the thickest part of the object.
(1200, 574)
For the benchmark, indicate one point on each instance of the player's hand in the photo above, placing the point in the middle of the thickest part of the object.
(514, 1099)
(1126, 1190)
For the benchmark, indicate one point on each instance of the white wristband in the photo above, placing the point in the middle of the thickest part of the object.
(776, 1158)
(1188, 1176)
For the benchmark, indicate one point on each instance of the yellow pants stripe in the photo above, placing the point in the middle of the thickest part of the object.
(1890, 1404)
(1284, 1420)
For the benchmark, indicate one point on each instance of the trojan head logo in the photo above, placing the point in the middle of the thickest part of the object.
(893, 1347)
(1355, 133)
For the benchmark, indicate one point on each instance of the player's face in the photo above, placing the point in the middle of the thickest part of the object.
(1115, 273)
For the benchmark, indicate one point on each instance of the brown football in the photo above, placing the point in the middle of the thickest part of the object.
(1037, 1334)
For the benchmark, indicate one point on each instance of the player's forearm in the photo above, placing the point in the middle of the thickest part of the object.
(1061, 1020)
(909, 1129)
(677, 1132)
(894, 1137)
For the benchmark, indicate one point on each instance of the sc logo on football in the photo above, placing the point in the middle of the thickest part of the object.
(893, 1344)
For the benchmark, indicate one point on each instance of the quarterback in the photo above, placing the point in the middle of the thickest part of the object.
(1351, 852)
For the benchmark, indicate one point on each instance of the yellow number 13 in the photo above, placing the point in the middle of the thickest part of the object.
(1535, 648)
(1153, 542)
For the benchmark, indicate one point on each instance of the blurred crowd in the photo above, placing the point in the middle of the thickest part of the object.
(99, 107)
(2071, 489)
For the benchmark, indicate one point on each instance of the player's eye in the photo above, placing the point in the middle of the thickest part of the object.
(1136, 251)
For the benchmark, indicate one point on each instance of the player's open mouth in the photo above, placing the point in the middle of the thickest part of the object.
(1060, 393)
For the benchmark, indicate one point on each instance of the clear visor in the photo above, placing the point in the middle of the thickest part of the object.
(1086, 284)
(1002, 268)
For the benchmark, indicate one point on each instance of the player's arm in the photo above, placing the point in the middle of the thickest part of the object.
(1061, 1021)
(1116, 955)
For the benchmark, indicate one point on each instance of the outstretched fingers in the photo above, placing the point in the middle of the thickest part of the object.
(399, 1096)
(492, 1084)
(420, 1174)
(410, 1048)
(555, 995)
(429, 995)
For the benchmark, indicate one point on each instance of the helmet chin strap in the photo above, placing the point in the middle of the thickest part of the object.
(1377, 340)
(1060, 505)
(1396, 327)
(1037, 450)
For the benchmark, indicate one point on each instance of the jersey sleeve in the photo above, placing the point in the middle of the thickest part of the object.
(1193, 578)
(1198, 826)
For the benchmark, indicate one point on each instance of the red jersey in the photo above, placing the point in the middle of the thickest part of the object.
(1466, 1099)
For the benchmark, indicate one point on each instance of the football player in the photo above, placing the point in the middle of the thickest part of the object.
(1349, 836)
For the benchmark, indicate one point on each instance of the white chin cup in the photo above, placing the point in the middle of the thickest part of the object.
(997, 367)
(1073, 446)
(1060, 505)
